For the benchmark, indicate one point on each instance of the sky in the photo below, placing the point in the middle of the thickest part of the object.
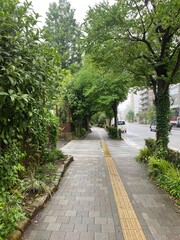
(80, 6)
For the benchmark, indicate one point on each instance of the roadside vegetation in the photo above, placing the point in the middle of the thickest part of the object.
(30, 72)
(164, 168)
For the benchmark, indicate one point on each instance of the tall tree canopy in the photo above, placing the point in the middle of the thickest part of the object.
(142, 37)
(63, 33)
(93, 89)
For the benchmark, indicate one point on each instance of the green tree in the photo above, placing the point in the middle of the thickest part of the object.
(63, 33)
(105, 89)
(141, 37)
(29, 72)
(130, 116)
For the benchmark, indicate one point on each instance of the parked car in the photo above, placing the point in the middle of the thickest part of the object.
(122, 125)
(153, 127)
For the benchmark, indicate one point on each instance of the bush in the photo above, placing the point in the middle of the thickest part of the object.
(53, 155)
(35, 186)
(164, 170)
(113, 133)
(10, 190)
(102, 120)
(144, 155)
(170, 155)
(80, 133)
(166, 176)
(157, 167)
(150, 144)
(174, 157)
(11, 212)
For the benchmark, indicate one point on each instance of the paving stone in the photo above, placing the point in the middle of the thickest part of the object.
(88, 220)
(57, 236)
(101, 236)
(63, 219)
(87, 236)
(70, 213)
(67, 227)
(83, 213)
(173, 236)
(94, 214)
(59, 213)
(75, 220)
(42, 235)
(80, 227)
(108, 228)
(72, 236)
(94, 228)
(53, 226)
(50, 219)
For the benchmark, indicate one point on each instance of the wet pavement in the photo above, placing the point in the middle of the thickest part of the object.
(84, 207)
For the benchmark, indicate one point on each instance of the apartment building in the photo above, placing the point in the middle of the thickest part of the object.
(146, 98)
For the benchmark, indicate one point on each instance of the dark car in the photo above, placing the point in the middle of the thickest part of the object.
(153, 127)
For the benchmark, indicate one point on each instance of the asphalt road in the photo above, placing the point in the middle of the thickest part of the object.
(136, 133)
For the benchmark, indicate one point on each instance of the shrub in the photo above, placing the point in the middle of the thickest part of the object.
(102, 119)
(144, 155)
(150, 144)
(113, 133)
(174, 157)
(10, 212)
(157, 166)
(46, 172)
(53, 155)
(170, 155)
(80, 133)
(35, 186)
(166, 176)
(10, 190)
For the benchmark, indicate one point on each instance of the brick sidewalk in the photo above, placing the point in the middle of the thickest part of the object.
(84, 206)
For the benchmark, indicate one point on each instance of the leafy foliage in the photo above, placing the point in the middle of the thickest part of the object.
(30, 72)
(92, 90)
(10, 189)
(142, 38)
(80, 133)
(130, 116)
(164, 170)
(144, 155)
(63, 33)
(113, 133)
(166, 176)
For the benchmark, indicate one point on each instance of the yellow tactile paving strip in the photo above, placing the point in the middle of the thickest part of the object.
(130, 224)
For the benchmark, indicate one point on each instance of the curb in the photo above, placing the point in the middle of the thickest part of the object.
(39, 202)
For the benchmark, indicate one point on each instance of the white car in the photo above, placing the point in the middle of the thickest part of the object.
(122, 125)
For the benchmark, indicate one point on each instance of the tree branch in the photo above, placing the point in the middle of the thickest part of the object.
(141, 18)
(142, 40)
(177, 66)
(175, 49)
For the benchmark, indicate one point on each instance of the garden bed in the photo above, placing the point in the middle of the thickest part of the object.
(35, 202)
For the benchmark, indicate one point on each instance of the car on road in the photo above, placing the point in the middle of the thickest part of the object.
(122, 126)
(153, 127)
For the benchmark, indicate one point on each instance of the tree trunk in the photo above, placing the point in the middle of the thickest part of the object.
(114, 107)
(162, 113)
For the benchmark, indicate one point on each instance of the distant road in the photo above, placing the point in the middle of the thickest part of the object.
(136, 133)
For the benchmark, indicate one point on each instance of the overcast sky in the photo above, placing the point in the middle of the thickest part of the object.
(80, 6)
